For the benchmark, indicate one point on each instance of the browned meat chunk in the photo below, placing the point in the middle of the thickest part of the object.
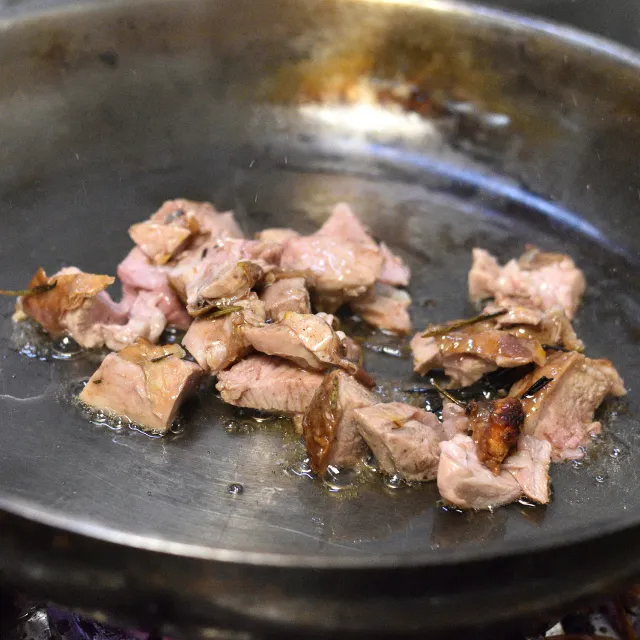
(144, 383)
(221, 285)
(329, 424)
(166, 232)
(286, 294)
(545, 280)
(217, 342)
(269, 384)
(496, 428)
(466, 354)
(305, 339)
(530, 467)
(138, 274)
(385, 308)
(562, 411)
(394, 272)
(405, 440)
(277, 235)
(466, 483)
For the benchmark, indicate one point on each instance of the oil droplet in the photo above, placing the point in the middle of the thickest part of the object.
(600, 478)
(301, 469)
(615, 452)
(336, 479)
(393, 482)
(577, 464)
(235, 489)
(371, 463)
(65, 348)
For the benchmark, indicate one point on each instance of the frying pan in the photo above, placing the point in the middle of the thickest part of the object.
(446, 126)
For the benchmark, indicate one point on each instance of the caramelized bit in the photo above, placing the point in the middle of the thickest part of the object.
(496, 427)
(442, 329)
(225, 311)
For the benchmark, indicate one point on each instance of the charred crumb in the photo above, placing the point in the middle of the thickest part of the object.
(162, 357)
(204, 253)
(99, 381)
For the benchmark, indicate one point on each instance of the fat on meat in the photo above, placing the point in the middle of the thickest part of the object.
(269, 384)
(218, 342)
(384, 307)
(144, 383)
(285, 295)
(405, 440)
(466, 483)
(545, 280)
(329, 424)
(562, 411)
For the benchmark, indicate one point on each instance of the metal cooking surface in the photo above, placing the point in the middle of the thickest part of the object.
(154, 491)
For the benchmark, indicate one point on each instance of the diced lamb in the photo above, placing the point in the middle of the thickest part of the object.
(405, 440)
(342, 270)
(466, 483)
(562, 411)
(137, 274)
(217, 342)
(467, 354)
(344, 224)
(269, 384)
(544, 280)
(395, 271)
(144, 383)
(209, 219)
(385, 307)
(305, 339)
(329, 424)
(284, 295)
(454, 419)
(530, 467)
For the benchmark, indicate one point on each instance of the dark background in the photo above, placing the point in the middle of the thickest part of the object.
(615, 19)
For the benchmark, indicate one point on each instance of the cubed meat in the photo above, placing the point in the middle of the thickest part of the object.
(404, 439)
(329, 424)
(342, 270)
(305, 339)
(221, 285)
(208, 218)
(562, 411)
(466, 483)
(144, 383)
(284, 295)
(269, 384)
(395, 271)
(384, 307)
(468, 353)
(530, 467)
(344, 224)
(545, 280)
(216, 342)
(138, 274)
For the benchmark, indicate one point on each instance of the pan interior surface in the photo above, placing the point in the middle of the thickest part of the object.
(131, 112)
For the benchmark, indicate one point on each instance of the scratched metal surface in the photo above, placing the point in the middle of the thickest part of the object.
(115, 119)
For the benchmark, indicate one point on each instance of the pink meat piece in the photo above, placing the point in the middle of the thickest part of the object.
(395, 271)
(454, 419)
(345, 225)
(277, 235)
(562, 411)
(269, 384)
(404, 440)
(286, 294)
(545, 280)
(341, 269)
(144, 383)
(466, 483)
(137, 274)
(218, 342)
(384, 307)
(530, 467)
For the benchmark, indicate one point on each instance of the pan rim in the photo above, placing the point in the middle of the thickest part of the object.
(629, 521)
